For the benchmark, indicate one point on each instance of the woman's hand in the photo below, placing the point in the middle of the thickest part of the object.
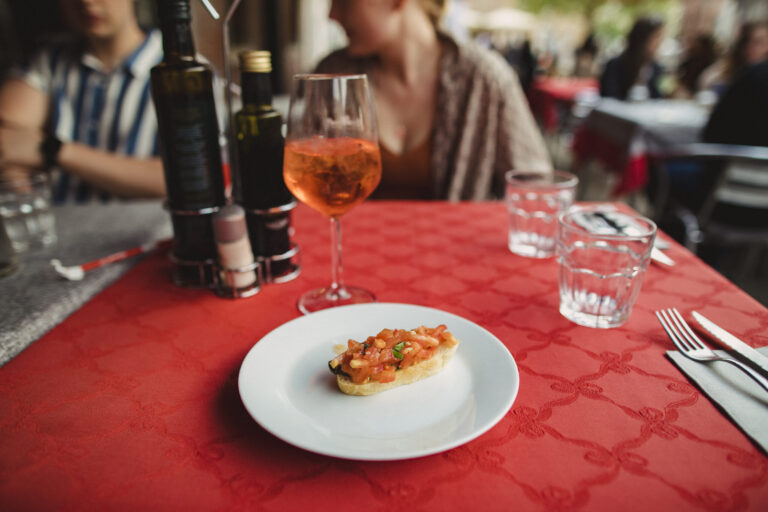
(20, 147)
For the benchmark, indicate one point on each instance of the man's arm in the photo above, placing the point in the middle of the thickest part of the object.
(23, 112)
(121, 175)
(22, 105)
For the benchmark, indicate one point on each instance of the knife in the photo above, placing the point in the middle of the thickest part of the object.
(660, 257)
(610, 224)
(732, 341)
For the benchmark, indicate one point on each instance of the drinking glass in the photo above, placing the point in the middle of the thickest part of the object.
(9, 261)
(602, 255)
(25, 206)
(332, 163)
(534, 201)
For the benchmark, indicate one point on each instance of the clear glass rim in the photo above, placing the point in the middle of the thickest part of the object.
(329, 76)
(33, 178)
(558, 179)
(561, 220)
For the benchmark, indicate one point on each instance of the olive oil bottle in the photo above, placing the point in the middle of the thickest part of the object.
(182, 90)
(260, 145)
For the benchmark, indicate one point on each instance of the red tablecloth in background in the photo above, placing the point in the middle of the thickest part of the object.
(631, 167)
(623, 135)
(547, 92)
(132, 404)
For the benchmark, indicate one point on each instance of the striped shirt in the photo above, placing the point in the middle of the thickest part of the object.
(108, 110)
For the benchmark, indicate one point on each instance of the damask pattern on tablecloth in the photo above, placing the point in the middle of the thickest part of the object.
(132, 402)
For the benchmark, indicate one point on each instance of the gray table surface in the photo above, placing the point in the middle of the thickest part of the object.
(655, 124)
(34, 299)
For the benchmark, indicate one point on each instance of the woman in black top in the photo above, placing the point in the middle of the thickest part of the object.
(635, 66)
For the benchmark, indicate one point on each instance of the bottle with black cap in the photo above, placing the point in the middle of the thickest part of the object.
(182, 90)
(260, 146)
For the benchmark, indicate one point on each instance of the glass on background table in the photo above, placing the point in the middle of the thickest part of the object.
(25, 206)
(9, 260)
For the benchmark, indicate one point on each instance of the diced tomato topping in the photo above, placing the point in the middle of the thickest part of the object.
(380, 356)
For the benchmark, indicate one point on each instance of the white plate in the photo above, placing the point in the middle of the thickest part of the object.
(286, 386)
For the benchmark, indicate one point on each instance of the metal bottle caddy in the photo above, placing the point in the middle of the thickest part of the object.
(193, 273)
(293, 269)
(210, 273)
(267, 269)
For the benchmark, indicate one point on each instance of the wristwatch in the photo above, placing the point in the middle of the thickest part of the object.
(49, 149)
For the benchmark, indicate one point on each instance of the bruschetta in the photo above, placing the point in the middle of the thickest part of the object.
(392, 358)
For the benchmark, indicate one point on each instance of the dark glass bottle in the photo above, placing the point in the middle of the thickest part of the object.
(260, 146)
(182, 90)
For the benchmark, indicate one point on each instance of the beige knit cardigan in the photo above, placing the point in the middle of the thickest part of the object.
(483, 126)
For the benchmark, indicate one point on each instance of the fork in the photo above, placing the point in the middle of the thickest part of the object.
(693, 348)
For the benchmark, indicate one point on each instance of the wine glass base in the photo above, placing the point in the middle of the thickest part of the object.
(324, 298)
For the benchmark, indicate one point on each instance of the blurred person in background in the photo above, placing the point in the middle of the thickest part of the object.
(527, 65)
(741, 115)
(585, 58)
(452, 117)
(750, 47)
(700, 55)
(84, 107)
(634, 74)
(524, 62)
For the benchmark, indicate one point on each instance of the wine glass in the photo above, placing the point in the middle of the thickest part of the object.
(332, 163)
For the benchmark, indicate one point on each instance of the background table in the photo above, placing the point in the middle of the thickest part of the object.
(552, 98)
(35, 298)
(131, 403)
(622, 135)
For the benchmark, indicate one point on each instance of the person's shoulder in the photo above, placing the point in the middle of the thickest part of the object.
(476, 62)
(148, 54)
(751, 81)
(758, 73)
(40, 68)
(611, 63)
(153, 42)
(340, 61)
(57, 49)
(751, 85)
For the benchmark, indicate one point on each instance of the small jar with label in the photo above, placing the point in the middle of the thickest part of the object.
(238, 274)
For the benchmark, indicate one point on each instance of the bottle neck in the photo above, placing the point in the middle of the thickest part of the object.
(256, 89)
(177, 40)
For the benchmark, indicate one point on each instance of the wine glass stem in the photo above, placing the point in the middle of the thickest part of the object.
(337, 274)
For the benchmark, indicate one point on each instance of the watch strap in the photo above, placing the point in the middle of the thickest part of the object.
(49, 149)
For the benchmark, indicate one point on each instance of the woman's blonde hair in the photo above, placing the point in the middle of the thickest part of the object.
(434, 9)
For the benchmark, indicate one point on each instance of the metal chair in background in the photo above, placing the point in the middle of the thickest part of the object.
(728, 203)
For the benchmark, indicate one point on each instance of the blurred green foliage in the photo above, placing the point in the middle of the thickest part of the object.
(591, 8)
(610, 19)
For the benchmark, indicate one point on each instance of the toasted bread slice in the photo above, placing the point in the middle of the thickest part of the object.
(409, 375)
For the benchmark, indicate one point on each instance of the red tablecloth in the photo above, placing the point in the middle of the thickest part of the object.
(131, 403)
(547, 93)
(623, 136)
(631, 166)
